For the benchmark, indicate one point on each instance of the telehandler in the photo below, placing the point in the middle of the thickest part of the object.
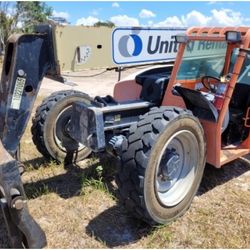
(163, 124)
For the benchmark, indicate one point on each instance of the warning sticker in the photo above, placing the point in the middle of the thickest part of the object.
(18, 91)
(83, 54)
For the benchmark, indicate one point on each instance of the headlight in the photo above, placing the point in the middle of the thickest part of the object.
(181, 38)
(233, 36)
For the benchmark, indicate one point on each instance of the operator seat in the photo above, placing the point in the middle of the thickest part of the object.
(154, 83)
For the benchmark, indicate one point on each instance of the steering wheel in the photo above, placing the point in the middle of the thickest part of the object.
(205, 80)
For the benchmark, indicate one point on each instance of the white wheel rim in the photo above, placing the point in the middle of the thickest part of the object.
(176, 167)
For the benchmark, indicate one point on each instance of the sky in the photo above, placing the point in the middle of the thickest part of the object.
(155, 14)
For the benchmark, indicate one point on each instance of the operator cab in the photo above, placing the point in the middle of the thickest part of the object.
(202, 81)
(198, 77)
(239, 104)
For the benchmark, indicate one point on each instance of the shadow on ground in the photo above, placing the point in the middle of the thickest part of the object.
(70, 183)
(36, 163)
(214, 177)
(114, 226)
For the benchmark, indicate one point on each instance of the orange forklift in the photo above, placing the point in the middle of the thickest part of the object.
(163, 124)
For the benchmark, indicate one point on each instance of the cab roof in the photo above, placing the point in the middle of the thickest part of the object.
(215, 31)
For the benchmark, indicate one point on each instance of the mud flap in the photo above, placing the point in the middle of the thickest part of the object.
(23, 231)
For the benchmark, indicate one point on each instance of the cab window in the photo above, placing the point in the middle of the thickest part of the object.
(244, 77)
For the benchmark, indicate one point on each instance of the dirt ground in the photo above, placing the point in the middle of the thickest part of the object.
(77, 206)
(94, 82)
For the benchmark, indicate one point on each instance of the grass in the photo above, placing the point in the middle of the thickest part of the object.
(32, 192)
(97, 184)
(161, 237)
(220, 219)
(41, 164)
(77, 207)
(95, 179)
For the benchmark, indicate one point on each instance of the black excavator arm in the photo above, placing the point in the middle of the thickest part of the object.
(28, 58)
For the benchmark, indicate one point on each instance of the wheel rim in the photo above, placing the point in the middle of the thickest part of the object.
(176, 167)
(61, 137)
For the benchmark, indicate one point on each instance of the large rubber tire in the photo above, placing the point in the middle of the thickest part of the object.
(138, 176)
(48, 127)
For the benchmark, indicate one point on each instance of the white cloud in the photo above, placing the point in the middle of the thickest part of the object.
(227, 17)
(87, 21)
(222, 17)
(115, 5)
(195, 18)
(172, 21)
(124, 20)
(146, 14)
(60, 14)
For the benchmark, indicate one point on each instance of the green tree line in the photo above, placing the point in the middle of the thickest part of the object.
(21, 17)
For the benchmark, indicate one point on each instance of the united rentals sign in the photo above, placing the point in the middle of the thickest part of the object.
(99, 47)
(142, 45)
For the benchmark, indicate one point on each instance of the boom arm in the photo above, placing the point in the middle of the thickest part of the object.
(28, 59)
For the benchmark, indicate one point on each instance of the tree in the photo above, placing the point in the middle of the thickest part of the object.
(104, 24)
(21, 17)
(31, 13)
(8, 23)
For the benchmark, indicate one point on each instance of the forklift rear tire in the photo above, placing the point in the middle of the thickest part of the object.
(162, 164)
(48, 127)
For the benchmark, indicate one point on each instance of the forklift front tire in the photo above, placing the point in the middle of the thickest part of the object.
(162, 165)
(49, 127)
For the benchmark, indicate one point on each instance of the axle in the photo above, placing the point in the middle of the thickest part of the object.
(99, 127)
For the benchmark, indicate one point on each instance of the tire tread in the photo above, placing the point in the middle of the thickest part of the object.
(141, 139)
(42, 111)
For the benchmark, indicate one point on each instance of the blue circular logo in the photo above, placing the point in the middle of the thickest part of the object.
(123, 45)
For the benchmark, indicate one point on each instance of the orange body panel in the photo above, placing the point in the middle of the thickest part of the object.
(127, 90)
(246, 143)
(213, 144)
